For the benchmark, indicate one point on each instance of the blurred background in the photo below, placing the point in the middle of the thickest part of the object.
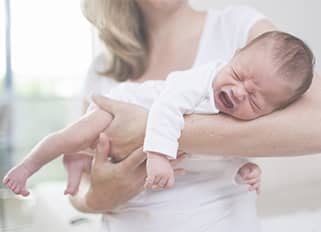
(46, 48)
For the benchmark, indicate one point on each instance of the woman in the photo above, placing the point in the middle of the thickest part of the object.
(149, 39)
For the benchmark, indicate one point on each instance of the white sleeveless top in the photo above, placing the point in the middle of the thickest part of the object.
(205, 199)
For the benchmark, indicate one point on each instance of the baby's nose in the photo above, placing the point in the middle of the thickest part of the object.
(238, 94)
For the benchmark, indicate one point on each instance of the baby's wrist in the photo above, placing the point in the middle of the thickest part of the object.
(155, 155)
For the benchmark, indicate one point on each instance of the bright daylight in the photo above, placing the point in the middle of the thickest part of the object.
(160, 115)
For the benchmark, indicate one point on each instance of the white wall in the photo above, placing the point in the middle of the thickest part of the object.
(300, 17)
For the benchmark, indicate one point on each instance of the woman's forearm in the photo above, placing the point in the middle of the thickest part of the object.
(293, 131)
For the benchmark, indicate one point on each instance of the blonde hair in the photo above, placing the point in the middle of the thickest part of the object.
(121, 28)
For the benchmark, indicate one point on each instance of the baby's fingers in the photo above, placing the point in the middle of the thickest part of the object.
(178, 160)
(149, 182)
(179, 171)
(251, 175)
(170, 182)
(255, 187)
(163, 182)
(252, 181)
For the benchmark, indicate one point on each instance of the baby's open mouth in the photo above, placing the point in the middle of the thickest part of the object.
(226, 100)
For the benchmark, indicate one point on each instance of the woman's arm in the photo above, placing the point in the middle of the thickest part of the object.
(292, 131)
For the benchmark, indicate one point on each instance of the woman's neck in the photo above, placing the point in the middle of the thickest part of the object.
(167, 25)
(173, 39)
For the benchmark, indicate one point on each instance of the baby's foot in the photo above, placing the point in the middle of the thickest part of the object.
(75, 165)
(16, 180)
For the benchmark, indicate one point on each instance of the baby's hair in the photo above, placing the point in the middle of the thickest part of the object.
(293, 60)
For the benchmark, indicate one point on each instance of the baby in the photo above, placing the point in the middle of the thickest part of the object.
(268, 74)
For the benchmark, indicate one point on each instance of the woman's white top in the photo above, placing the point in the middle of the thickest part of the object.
(206, 198)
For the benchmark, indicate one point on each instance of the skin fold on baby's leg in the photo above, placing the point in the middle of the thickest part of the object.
(70, 140)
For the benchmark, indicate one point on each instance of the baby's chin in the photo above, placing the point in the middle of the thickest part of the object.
(237, 115)
(244, 117)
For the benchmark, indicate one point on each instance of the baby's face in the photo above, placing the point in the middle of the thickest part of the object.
(247, 88)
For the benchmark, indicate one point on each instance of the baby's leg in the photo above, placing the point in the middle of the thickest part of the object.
(75, 165)
(73, 138)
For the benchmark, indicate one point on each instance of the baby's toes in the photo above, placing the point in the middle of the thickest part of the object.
(16, 189)
(10, 184)
(24, 192)
(5, 180)
(13, 186)
(71, 190)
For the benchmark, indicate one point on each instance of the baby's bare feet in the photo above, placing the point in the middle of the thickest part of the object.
(75, 165)
(16, 179)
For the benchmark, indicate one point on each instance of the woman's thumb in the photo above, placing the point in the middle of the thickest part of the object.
(103, 149)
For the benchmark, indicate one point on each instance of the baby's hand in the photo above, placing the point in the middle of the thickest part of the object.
(250, 173)
(160, 173)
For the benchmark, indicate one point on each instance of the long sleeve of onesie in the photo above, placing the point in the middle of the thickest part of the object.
(185, 92)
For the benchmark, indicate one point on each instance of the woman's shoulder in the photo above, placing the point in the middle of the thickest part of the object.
(234, 20)
(235, 11)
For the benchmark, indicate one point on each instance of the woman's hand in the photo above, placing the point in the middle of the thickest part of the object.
(127, 129)
(113, 184)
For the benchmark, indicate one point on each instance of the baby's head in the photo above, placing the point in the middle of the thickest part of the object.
(270, 73)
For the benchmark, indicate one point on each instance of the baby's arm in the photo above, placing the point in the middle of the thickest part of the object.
(182, 93)
(71, 139)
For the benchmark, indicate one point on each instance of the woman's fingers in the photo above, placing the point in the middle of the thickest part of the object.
(103, 148)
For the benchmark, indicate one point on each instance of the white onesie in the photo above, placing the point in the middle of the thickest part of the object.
(183, 92)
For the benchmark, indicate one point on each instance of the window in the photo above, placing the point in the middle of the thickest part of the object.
(2, 47)
(51, 47)
(51, 50)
